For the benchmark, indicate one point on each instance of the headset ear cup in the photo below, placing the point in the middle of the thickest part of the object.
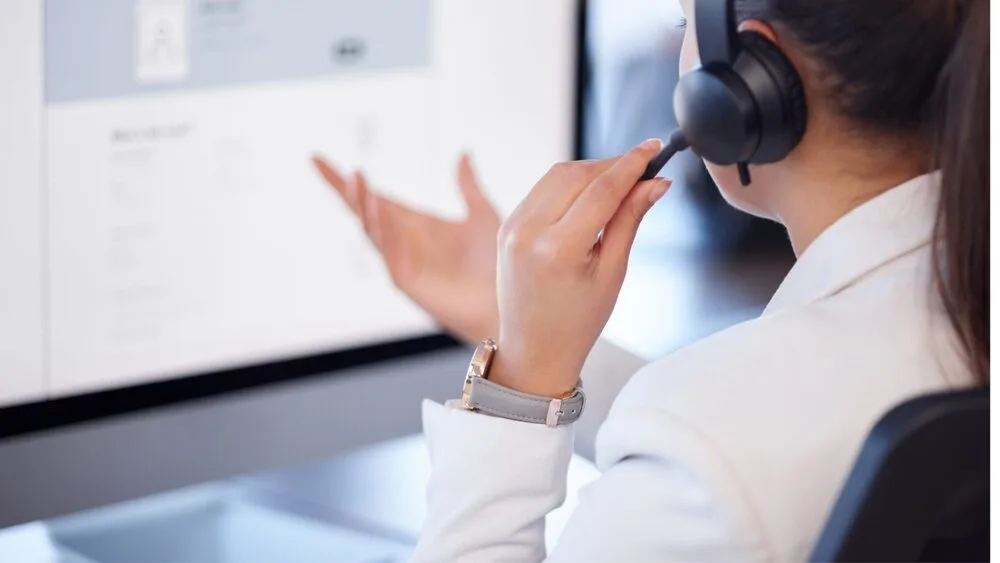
(717, 115)
(777, 88)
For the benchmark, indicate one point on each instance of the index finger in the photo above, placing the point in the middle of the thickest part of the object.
(600, 199)
(344, 186)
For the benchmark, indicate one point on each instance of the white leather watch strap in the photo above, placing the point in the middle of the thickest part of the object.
(500, 401)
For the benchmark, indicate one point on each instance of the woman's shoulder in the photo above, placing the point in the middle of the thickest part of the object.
(850, 356)
(779, 404)
(881, 338)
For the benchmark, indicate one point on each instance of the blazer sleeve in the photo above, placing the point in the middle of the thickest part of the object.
(663, 495)
(607, 370)
(492, 483)
(532, 458)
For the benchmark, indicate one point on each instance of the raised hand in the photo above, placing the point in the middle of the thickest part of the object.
(447, 267)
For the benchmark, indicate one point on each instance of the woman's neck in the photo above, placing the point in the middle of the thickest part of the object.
(826, 190)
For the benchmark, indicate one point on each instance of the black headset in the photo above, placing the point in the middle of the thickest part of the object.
(745, 104)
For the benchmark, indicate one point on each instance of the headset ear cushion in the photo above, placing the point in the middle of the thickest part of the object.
(786, 76)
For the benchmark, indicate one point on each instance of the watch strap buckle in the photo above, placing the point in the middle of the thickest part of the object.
(554, 414)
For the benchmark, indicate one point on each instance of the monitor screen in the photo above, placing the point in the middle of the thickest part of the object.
(159, 214)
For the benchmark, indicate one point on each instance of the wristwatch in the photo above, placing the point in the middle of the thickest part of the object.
(482, 395)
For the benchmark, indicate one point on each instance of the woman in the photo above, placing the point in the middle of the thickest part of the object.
(733, 448)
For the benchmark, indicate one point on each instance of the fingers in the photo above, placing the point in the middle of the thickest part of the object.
(384, 230)
(472, 192)
(329, 173)
(383, 221)
(555, 193)
(369, 209)
(619, 234)
(602, 198)
(386, 238)
(366, 205)
(343, 185)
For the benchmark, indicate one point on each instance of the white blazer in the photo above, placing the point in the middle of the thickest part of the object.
(732, 449)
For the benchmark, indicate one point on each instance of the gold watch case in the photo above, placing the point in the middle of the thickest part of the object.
(479, 366)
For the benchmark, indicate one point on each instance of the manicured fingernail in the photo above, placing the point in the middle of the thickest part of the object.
(658, 190)
(652, 144)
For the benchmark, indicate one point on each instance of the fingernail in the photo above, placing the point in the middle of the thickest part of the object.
(652, 144)
(658, 190)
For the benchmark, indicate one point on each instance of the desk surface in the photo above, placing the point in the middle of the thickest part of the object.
(365, 505)
(285, 425)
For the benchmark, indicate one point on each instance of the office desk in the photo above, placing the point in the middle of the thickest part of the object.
(108, 461)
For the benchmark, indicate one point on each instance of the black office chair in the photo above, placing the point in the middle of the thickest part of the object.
(919, 490)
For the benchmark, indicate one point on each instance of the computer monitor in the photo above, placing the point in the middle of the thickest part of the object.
(163, 234)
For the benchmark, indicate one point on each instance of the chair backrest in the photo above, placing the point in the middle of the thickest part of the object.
(919, 490)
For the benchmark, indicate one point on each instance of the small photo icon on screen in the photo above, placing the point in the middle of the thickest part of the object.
(161, 41)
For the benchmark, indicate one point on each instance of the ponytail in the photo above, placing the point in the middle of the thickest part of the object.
(960, 121)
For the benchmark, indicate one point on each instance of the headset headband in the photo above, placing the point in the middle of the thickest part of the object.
(715, 27)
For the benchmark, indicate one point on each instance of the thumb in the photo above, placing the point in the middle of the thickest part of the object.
(472, 192)
(619, 234)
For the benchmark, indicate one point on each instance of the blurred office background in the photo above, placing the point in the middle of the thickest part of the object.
(698, 267)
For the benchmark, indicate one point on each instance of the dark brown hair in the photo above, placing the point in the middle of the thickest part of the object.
(962, 141)
(917, 67)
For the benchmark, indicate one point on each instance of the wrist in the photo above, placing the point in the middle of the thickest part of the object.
(495, 387)
(513, 374)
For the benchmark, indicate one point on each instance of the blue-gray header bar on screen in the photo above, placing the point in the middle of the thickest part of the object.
(112, 48)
